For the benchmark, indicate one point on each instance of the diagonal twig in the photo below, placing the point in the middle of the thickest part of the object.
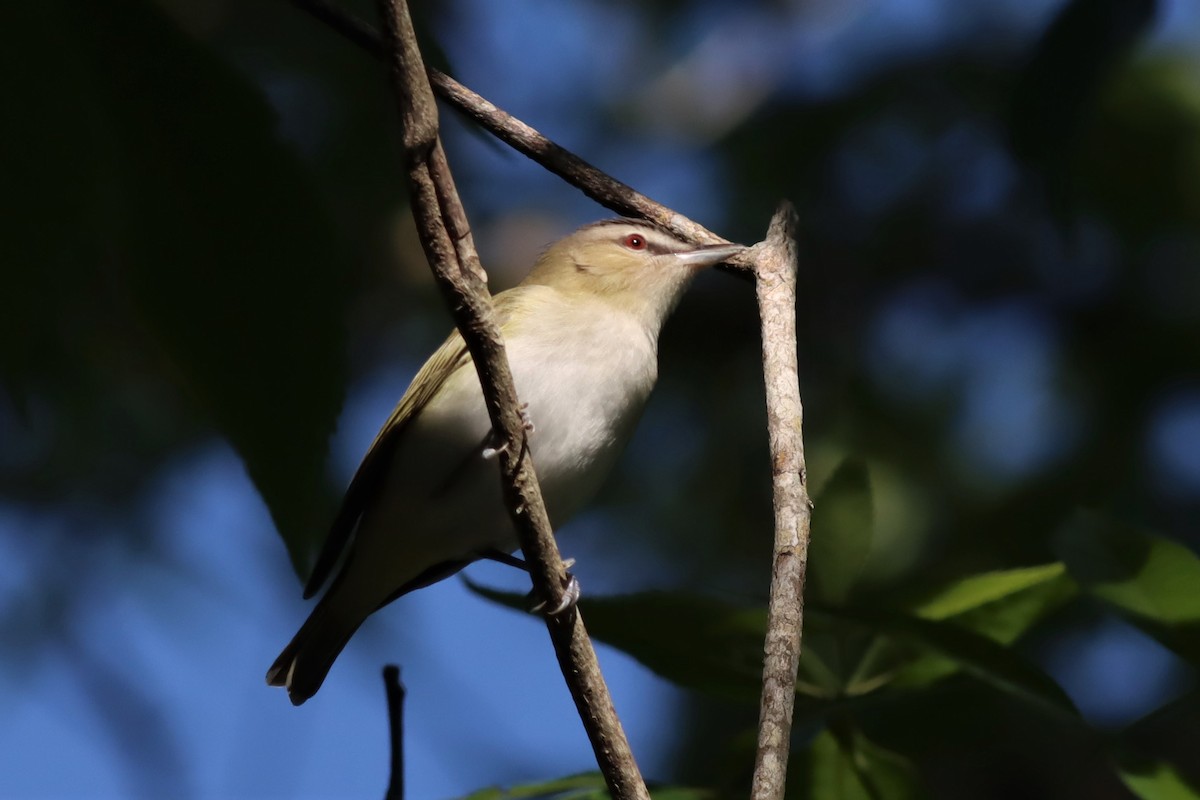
(445, 236)
(596, 184)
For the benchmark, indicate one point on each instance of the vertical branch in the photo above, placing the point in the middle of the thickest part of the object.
(775, 273)
(446, 238)
(774, 264)
(395, 706)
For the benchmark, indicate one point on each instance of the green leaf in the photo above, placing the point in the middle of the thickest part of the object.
(989, 588)
(681, 793)
(488, 793)
(1155, 780)
(226, 255)
(714, 646)
(1000, 605)
(843, 528)
(586, 786)
(1152, 581)
(1146, 777)
(1056, 92)
(975, 654)
(848, 766)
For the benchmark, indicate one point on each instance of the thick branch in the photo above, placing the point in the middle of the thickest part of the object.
(775, 273)
(445, 236)
(605, 190)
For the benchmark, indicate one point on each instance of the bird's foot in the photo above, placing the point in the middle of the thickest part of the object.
(526, 421)
(489, 452)
(571, 591)
(570, 597)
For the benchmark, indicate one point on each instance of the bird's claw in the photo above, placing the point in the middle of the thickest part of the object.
(526, 421)
(570, 597)
(489, 452)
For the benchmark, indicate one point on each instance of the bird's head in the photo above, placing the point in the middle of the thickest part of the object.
(634, 265)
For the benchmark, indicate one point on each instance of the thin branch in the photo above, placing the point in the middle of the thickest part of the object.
(605, 190)
(395, 706)
(445, 236)
(775, 273)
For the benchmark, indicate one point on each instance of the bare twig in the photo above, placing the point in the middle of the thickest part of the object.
(445, 236)
(605, 190)
(395, 707)
(775, 273)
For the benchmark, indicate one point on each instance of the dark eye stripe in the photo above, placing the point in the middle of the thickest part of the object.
(651, 232)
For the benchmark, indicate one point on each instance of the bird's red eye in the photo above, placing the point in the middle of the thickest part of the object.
(635, 241)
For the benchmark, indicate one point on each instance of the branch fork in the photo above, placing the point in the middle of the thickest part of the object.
(446, 238)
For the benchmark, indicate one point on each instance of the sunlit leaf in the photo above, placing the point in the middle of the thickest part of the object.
(1153, 581)
(848, 766)
(975, 591)
(1000, 605)
(706, 644)
(1155, 780)
(977, 655)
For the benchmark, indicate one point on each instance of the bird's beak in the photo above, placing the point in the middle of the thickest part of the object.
(708, 255)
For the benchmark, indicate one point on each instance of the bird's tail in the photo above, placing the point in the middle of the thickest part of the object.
(304, 663)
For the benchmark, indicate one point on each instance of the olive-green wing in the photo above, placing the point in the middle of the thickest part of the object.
(371, 473)
(369, 478)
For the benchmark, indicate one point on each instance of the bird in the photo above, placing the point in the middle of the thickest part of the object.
(581, 334)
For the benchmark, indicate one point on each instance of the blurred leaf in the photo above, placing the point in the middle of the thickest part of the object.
(977, 655)
(1164, 717)
(679, 793)
(713, 646)
(94, 414)
(843, 526)
(1057, 91)
(51, 238)
(490, 793)
(1153, 581)
(1140, 159)
(586, 786)
(1000, 605)
(848, 766)
(1155, 780)
(225, 253)
(691, 640)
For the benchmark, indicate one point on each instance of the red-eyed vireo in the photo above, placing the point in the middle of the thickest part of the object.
(581, 333)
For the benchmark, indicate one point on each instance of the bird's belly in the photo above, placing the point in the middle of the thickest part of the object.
(583, 405)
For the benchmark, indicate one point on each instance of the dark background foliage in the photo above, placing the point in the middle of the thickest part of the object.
(208, 273)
